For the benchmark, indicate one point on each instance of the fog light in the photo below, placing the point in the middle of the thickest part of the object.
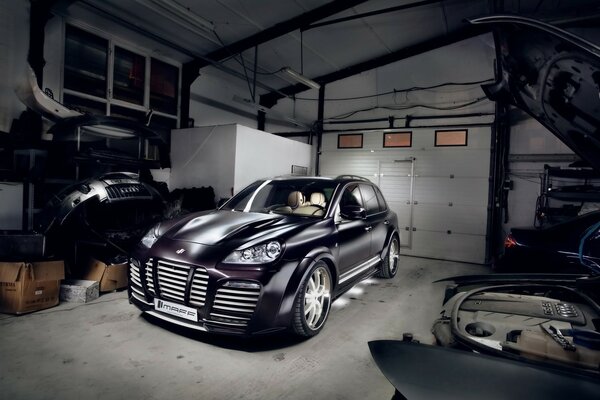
(242, 285)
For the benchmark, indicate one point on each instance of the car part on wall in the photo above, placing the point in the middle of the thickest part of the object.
(102, 217)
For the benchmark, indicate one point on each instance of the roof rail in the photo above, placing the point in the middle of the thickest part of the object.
(354, 177)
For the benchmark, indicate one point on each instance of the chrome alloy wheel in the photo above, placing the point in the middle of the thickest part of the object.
(393, 255)
(317, 298)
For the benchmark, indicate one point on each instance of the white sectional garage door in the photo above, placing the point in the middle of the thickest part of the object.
(439, 193)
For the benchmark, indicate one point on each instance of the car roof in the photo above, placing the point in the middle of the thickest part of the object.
(337, 179)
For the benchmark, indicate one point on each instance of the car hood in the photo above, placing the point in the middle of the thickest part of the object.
(427, 372)
(552, 75)
(219, 226)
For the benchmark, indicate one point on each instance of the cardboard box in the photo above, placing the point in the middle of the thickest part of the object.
(111, 277)
(27, 287)
(79, 290)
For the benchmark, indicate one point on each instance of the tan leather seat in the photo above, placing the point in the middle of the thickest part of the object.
(295, 200)
(316, 206)
(317, 199)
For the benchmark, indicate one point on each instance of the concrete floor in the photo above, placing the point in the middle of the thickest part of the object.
(107, 350)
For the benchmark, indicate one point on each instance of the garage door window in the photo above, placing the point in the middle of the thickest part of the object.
(354, 141)
(451, 138)
(398, 139)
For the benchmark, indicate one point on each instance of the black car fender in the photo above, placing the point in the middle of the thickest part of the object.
(299, 274)
(388, 240)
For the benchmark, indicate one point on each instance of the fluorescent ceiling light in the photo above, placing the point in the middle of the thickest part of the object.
(184, 13)
(298, 77)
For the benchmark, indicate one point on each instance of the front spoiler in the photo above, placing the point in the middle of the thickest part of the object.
(202, 326)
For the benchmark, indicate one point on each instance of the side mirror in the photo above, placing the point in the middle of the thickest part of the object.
(353, 212)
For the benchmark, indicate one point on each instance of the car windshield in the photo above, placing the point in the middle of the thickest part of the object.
(303, 197)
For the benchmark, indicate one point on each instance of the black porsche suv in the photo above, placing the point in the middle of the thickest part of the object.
(272, 258)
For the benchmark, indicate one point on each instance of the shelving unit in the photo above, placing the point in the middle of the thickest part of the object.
(564, 191)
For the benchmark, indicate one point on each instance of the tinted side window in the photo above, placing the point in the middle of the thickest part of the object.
(370, 199)
(351, 197)
(382, 203)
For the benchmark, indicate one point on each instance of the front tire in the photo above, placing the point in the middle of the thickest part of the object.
(313, 301)
(389, 265)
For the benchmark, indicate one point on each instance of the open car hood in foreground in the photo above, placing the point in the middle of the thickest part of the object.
(429, 372)
(552, 75)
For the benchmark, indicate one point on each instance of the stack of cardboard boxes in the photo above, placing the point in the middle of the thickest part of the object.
(30, 286)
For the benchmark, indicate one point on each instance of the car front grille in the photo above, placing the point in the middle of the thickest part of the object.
(234, 306)
(172, 278)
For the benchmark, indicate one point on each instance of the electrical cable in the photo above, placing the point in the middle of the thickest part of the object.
(401, 108)
(407, 90)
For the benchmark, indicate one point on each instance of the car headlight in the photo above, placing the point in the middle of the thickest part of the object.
(151, 236)
(263, 253)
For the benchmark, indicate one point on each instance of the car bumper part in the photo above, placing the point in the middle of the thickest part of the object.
(239, 302)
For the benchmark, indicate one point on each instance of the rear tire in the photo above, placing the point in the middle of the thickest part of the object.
(313, 301)
(389, 264)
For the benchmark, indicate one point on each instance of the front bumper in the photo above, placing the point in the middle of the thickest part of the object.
(232, 300)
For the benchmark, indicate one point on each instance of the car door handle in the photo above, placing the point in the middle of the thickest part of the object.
(386, 222)
(368, 228)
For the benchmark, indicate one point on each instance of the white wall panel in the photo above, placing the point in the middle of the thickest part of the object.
(203, 156)
(262, 155)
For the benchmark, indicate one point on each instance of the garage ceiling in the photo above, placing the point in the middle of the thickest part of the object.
(222, 29)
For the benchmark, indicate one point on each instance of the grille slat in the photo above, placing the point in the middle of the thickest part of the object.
(235, 303)
(171, 286)
(149, 279)
(227, 296)
(173, 274)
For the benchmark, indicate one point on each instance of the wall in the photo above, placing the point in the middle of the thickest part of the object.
(529, 137)
(14, 45)
(212, 103)
(262, 155)
(467, 61)
(204, 156)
